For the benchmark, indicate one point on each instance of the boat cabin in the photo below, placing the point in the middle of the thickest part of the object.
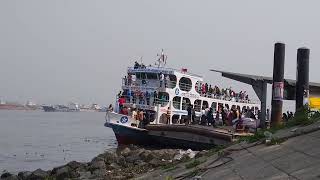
(159, 89)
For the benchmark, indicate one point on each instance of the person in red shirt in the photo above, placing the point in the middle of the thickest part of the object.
(124, 111)
(121, 102)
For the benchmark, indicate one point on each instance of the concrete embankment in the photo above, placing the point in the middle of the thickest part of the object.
(294, 155)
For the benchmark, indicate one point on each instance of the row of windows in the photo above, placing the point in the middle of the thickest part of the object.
(185, 84)
(199, 105)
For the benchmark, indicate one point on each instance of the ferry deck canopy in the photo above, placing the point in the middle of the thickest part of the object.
(259, 84)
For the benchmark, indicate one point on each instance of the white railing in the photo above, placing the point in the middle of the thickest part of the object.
(148, 84)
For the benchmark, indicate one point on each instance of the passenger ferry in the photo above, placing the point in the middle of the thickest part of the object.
(157, 90)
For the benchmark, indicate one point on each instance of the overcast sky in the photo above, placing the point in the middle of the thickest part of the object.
(77, 50)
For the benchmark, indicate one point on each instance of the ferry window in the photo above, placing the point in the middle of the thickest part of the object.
(175, 119)
(185, 84)
(173, 81)
(197, 105)
(185, 103)
(214, 106)
(176, 102)
(205, 104)
(163, 99)
(143, 76)
(138, 75)
(152, 76)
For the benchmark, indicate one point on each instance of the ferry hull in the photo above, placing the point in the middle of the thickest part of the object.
(194, 137)
(126, 136)
(165, 136)
(124, 131)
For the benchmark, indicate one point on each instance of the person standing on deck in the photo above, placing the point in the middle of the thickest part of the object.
(168, 115)
(161, 79)
(203, 89)
(207, 89)
(167, 81)
(148, 98)
(121, 102)
(140, 117)
(110, 108)
(134, 115)
(203, 117)
(189, 109)
(210, 117)
(129, 79)
(155, 97)
(193, 113)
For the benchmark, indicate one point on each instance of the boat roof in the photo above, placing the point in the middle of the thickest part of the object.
(249, 77)
(158, 70)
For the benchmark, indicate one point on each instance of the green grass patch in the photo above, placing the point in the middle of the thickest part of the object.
(302, 117)
(171, 169)
(169, 178)
(194, 163)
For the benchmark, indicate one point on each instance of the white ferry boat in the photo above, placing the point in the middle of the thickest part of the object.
(159, 91)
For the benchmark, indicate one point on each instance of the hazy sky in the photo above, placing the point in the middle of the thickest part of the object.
(77, 50)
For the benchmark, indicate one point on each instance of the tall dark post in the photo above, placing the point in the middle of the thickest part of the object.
(302, 84)
(278, 85)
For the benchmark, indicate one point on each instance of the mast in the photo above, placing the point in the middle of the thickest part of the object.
(162, 59)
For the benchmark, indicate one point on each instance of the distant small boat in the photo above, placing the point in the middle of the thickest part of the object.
(59, 108)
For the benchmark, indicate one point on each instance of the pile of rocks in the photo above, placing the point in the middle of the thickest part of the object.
(123, 163)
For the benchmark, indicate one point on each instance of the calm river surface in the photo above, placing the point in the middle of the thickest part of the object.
(34, 139)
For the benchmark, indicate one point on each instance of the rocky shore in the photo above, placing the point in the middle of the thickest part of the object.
(122, 163)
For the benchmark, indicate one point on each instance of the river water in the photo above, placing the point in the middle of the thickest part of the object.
(34, 139)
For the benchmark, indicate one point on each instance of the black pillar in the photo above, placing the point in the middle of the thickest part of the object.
(278, 85)
(263, 104)
(302, 82)
(260, 87)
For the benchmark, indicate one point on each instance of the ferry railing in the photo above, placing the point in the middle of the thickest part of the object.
(161, 69)
(227, 98)
(185, 86)
(151, 102)
(162, 102)
(148, 84)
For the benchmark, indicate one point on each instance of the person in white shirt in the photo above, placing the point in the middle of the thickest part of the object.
(161, 79)
(134, 116)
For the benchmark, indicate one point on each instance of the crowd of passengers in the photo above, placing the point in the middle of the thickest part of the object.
(226, 94)
(141, 117)
(142, 97)
(209, 117)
